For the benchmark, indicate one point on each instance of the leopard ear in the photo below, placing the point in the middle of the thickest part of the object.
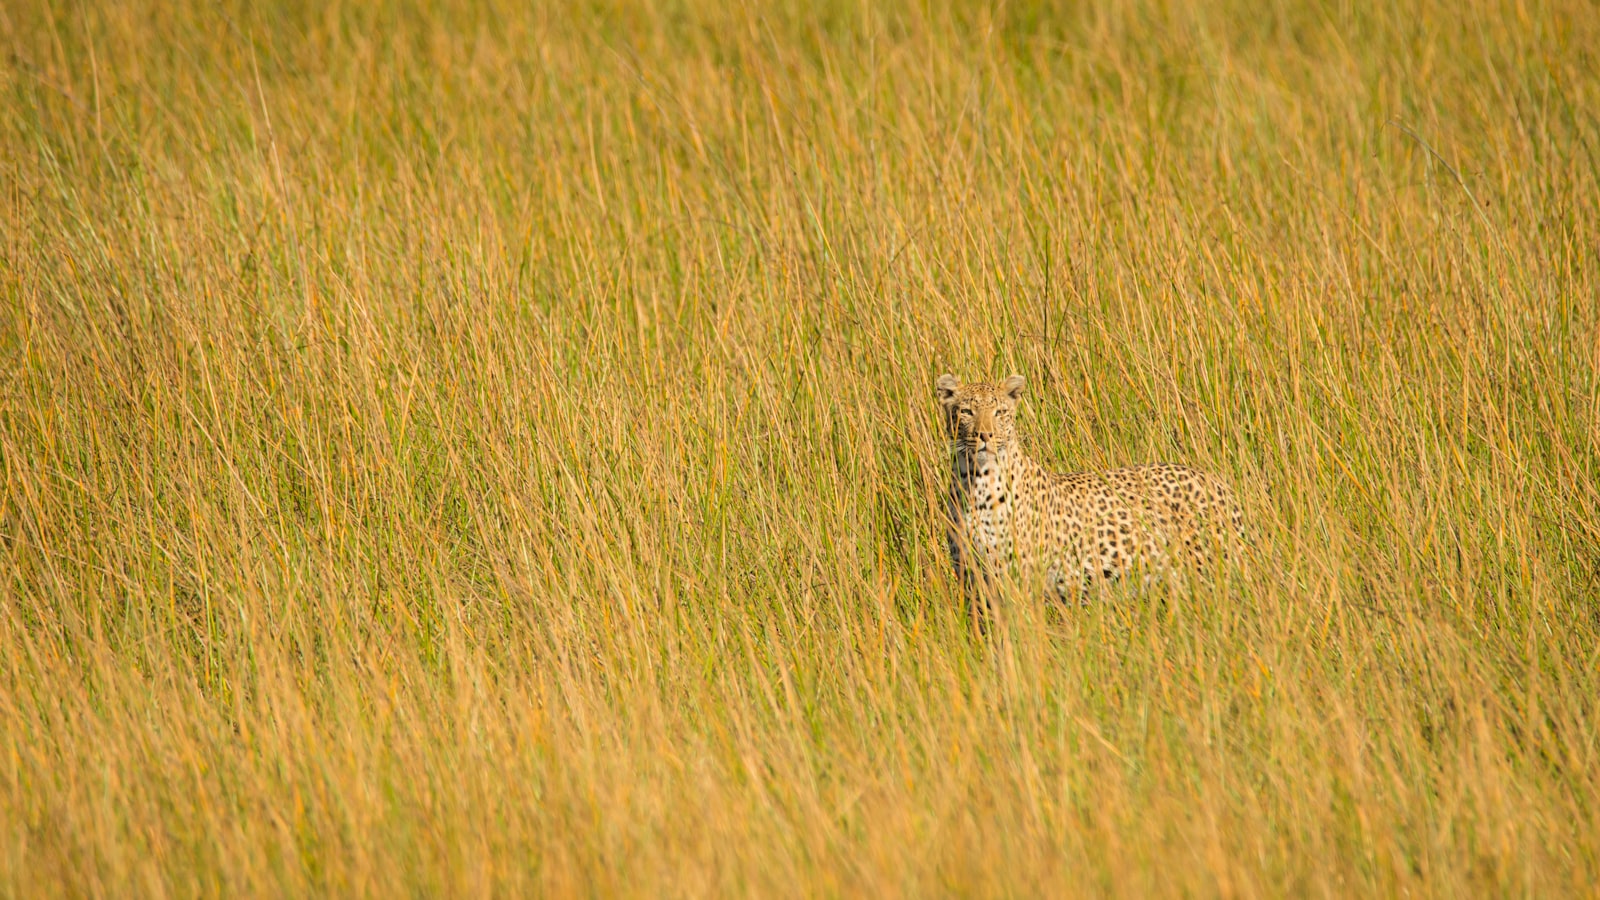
(946, 388)
(1013, 386)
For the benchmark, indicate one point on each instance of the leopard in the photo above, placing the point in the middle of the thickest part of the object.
(1072, 531)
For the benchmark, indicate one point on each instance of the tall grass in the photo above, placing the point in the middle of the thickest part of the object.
(460, 449)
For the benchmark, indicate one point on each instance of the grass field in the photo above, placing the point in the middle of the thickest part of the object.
(453, 450)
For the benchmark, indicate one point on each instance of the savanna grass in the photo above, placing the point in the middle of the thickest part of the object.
(460, 449)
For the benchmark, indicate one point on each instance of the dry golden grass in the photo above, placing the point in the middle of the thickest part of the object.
(458, 450)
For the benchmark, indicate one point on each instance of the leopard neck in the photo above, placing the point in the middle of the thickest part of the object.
(1005, 466)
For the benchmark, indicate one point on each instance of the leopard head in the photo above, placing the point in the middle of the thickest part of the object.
(980, 417)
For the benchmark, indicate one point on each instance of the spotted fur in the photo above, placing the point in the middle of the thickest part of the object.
(1070, 530)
